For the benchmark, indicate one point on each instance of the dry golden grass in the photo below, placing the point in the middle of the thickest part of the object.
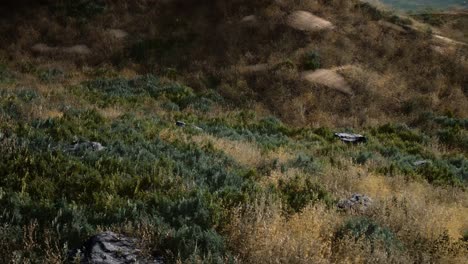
(263, 236)
(245, 153)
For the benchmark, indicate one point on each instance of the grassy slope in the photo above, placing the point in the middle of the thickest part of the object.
(247, 187)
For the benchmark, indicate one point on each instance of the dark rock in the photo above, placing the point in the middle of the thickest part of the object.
(351, 138)
(110, 248)
(180, 124)
(357, 202)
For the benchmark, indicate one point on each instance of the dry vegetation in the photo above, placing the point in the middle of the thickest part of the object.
(267, 189)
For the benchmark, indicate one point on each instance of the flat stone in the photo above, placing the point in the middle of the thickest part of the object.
(351, 138)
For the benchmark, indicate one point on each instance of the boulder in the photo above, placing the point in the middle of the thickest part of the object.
(110, 248)
(357, 203)
(180, 124)
(351, 138)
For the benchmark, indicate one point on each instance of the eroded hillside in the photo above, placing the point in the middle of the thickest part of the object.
(205, 129)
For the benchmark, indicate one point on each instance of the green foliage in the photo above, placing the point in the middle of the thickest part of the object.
(363, 227)
(363, 157)
(5, 75)
(312, 61)
(300, 191)
(136, 176)
(306, 163)
(82, 9)
(372, 11)
(161, 52)
(50, 75)
(395, 19)
(119, 90)
(429, 18)
(465, 236)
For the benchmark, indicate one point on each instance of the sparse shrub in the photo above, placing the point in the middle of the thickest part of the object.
(82, 9)
(305, 162)
(430, 18)
(312, 61)
(28, 95)
(161, 52)
(5, 75)
(170, 106)
(363, 157)
(300, 191)
(363, 227)
(50, 75)
(400, 20)
(372, 11)
(465, 236)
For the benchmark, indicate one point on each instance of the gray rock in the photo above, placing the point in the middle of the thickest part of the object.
(111, 248)
(351, 138)
(357, 202)
(87, 145)
(421, 162)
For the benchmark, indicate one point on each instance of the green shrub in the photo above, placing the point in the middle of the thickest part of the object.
(300, 191)
(363, 227)
(164, 52)
(372, 11)
(5, 75)
(305, 162)
(429, 18)
(363, 157)
(50, 75)
(83, 9)
(312, 61)
(465, 236)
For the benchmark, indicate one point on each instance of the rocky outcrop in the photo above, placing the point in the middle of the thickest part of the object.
(356, 203)
(87, 145)
(110, 248)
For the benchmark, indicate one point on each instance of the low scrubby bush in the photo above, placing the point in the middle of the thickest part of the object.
(300, 191)
(372, 232)
(312, 61)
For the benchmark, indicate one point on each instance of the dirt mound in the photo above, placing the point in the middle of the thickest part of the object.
(305, 21)
(329, 78)
(44, 49)
(250, 69)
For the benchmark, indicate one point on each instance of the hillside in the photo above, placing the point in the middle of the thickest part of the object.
(206, 130)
